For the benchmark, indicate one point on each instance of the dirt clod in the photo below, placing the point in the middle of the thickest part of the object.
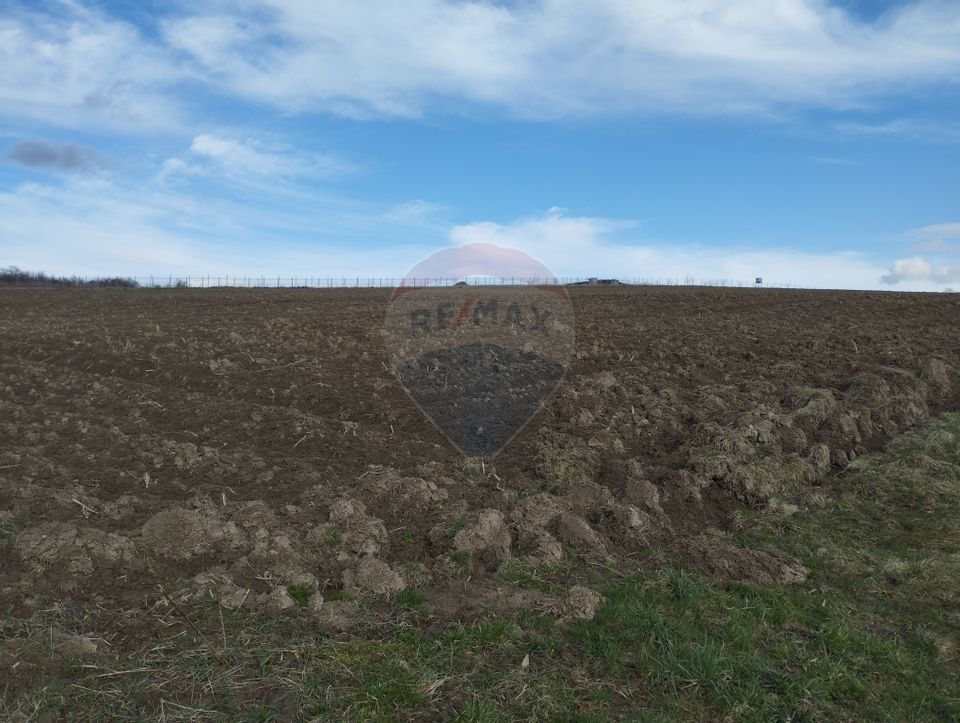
(487, 536)
(79, 549)
(278, 600)
(371, 577)
(714, 555)
(575, 531)
(181, 534)
(582, 602)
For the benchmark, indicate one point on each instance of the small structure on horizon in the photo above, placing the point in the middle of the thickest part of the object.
(759, 281)
(595, 281)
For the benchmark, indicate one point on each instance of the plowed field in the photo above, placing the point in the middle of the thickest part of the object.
(254, 447)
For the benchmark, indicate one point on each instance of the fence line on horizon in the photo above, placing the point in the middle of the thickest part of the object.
(212, 281)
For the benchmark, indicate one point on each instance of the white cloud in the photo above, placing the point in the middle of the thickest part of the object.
(249, 156)
(936, 237)
(101, 226)
(93, 227)
(414, 209)
(555, 238)
(80, 68)
(251, 162)
(175, 167)
(542, 58)
(912, 269)
(557, 57)
(96, 226)
(416, 212)
(918, 269)
(573, 246)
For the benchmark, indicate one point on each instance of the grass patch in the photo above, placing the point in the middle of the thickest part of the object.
(872, 635)
(567, 462)
(475, 467)
(332, 538)
(338, 596)
(546, 578)
(9, 529)
(462, 558)
(410, 599)
(301, 593)
(561, 472)
(458, 524)
(891, 542)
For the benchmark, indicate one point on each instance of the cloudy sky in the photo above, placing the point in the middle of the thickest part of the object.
(812, 142)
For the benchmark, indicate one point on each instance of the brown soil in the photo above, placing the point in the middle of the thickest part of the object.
(480, 394)
(235, 443)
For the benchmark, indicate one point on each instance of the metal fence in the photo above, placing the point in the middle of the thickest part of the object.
(212, 281)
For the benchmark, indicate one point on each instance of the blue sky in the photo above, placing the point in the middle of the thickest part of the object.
(805, 141)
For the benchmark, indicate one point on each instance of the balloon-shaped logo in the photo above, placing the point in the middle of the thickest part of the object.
(480, 336)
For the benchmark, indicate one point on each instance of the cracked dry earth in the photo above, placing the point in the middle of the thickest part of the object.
(243, 445)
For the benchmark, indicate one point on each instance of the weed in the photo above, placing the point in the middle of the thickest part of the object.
(460, 557)
(474, 467)
(332, 538)
(458, 524)
(301, 593)
(338, 596)
(9, 529)
(562, 469)
(410, 598)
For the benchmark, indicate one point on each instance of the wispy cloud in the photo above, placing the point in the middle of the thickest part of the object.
(912, 128)
(47, 156)
(416, 211)
(78, 67)
(100, 227)
(936, 236)
(831, 161)
(251, 156)
(556, 58)
(546, 59)
(587, 246)
(250, 161)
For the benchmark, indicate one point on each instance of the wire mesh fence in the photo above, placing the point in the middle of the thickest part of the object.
(18, 278)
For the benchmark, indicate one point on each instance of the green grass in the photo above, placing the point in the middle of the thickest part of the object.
(543, 577)
(9, 528)
(301, 593)
(872, 635)
(462, 558)
(411, 599)
(458, 524)
(332, 538)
